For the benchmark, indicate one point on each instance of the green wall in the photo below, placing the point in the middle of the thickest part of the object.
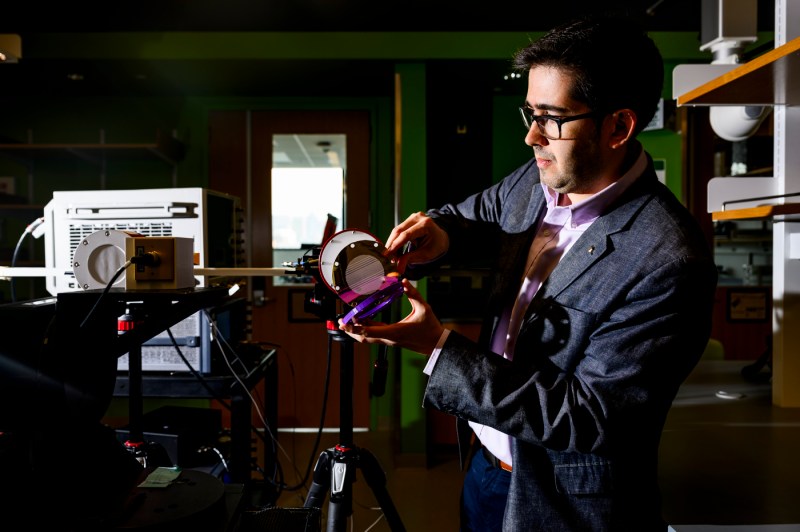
(413, 178)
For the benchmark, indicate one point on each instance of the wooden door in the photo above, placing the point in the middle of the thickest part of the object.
(240, 163)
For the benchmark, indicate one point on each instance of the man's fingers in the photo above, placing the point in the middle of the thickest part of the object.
(406, 231)
(411, 291)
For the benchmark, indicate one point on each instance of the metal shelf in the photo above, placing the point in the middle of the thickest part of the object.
(763, 211)
(166, 148)
(770, 79)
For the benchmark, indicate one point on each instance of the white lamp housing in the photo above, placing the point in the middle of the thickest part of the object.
(737, 122)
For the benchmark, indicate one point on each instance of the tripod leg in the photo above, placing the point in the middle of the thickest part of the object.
(321, 481)
(335, 471)
(376, 479)
(336, 467)
(340, 505)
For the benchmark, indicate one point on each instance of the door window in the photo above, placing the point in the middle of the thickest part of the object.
(307, 196)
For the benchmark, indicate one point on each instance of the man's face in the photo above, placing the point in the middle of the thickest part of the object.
(575, 162)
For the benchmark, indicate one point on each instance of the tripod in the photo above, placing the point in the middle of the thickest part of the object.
(336, 467)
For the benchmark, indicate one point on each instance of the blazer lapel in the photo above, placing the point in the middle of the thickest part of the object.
(593, 245)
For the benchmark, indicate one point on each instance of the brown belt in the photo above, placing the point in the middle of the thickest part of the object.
(496, 462)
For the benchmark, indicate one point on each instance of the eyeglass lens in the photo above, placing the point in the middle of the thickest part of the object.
(547, 127)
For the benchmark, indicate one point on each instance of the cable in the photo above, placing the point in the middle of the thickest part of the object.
(196, 374)
(226, 348)
(272, 438)
(651, 11)
(313, 456)
(105, 291)
(223, 344)
(28, 230)
(315, 450)
(216, 451)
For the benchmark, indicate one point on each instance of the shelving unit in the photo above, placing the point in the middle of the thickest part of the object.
(770, 79)
(167, 148)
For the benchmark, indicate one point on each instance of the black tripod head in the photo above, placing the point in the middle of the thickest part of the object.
(319, 300)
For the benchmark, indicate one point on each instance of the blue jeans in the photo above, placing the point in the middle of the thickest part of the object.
(483, 496)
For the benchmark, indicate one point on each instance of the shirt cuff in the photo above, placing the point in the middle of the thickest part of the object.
(435, 354)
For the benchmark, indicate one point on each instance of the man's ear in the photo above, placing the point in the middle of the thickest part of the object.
(623, 123)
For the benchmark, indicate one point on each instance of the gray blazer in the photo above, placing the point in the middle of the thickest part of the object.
(606, 343)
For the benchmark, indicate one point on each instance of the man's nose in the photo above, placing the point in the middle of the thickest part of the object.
(535, 138)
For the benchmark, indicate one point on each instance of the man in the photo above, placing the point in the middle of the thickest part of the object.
(600, 307)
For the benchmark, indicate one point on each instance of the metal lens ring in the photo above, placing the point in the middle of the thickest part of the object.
(98, 256)
(329, 254)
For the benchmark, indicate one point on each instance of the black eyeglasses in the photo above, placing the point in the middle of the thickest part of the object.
(549, 125)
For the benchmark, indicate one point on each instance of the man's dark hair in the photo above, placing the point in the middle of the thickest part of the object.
(615, 64)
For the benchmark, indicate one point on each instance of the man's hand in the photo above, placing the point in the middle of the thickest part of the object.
(419, 331)
(427, 241)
